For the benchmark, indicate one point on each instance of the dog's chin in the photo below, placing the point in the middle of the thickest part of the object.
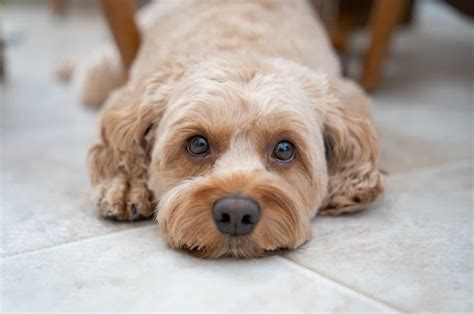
(236, 247)
(186, 222)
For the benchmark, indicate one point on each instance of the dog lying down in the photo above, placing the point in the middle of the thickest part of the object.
(234, 127)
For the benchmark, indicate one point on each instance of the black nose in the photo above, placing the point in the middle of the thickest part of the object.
(236, 215)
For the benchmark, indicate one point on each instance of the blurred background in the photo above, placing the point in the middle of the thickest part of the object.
(413, 252)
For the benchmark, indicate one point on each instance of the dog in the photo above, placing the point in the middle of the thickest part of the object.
(234, 126)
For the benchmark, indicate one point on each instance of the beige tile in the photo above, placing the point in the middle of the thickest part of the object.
(135, 270)
(421, 135)
(45, 192)
(413, 250)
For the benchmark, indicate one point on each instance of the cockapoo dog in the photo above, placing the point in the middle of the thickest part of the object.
(235, 127)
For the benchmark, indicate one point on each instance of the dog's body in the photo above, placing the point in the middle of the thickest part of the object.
(236, 121)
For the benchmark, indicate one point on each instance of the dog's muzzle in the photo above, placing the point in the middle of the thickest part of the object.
(236, 215)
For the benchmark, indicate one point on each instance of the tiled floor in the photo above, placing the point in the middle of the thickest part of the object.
(412, 251)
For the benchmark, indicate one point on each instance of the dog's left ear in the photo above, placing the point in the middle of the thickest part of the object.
(350, 142)
(351, 151)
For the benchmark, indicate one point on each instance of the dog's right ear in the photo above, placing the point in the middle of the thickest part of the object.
(130, 116)
(133, 112)
(127, 124)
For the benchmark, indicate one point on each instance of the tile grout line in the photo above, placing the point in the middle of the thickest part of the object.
(371, 299)
(73, 242)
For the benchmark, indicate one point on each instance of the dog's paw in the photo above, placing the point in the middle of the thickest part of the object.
(122, 200)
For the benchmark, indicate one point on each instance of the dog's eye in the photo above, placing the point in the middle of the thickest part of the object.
(198, 146)
(284, 151)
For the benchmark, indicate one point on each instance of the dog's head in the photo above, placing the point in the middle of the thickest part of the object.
(244, 153)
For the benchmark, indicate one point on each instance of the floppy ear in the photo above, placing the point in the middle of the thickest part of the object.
(127, 124)
(131, 116)
(354, 178)
(351, 151)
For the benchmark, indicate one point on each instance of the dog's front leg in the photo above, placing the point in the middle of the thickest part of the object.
(118, 163)
(120, 184)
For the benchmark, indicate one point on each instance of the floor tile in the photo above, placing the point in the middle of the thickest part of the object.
(413, 250)
(135, 270)
(443, 135)
(46, 192)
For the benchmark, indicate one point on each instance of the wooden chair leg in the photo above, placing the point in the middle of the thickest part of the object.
(120, 16)
(2, 55)
(385, 17)
(57, 6)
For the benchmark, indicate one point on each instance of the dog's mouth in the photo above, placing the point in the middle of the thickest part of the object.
(276, 251)
(230, 251)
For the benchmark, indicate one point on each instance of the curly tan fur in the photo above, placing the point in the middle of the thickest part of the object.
(245, 75)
